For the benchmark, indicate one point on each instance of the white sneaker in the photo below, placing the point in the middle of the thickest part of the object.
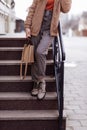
(42, 90)
(34, 91)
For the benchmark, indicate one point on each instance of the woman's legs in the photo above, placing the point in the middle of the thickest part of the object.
(41, 49)
(39, 67)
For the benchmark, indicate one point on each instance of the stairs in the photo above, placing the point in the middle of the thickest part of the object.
(18, 109)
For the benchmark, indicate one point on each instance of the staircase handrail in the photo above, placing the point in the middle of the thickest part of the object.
(59, 57)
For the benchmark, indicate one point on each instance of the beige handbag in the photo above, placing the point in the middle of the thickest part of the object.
(27, 57)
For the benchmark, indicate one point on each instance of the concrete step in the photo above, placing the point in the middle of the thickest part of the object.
(15, 49)
(17, 62)
(12, 67)
(14, 53)
(24, 101)
(18, 109)
(15, 84)
(11, 49)
(29, 115)
(12, 42)
(18, 79)
(30, 120)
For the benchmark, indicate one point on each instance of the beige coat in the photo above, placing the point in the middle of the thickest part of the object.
(36, 12)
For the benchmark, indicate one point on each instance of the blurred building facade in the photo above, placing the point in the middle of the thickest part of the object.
(74, 25)
(7, 16)
(64, 18)
(83, 24)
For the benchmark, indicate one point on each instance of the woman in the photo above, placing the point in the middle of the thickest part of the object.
(41, 25)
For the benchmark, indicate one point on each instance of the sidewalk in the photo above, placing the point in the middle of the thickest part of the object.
(75, 93)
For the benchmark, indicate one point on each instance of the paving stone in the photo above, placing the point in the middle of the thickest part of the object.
(80, 103)
(81, 111)
(83, 106)
(69, 98)
(77, 117)
(69, 112)
(71, 95)
(73, 123)
(84, 123)
(72, 107)
(69, 128)
(79, 128)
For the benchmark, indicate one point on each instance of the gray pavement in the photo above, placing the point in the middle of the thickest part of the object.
(75, 94)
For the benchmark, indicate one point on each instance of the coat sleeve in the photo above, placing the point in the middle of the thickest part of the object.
(28, 21)
(65, 5)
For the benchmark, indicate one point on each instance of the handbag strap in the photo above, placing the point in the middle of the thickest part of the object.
(21, 65)
(21, 70)
(26, 66)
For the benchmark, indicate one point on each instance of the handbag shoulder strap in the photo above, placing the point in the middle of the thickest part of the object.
(26, 64)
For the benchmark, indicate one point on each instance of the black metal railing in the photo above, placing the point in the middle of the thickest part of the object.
(59, 57)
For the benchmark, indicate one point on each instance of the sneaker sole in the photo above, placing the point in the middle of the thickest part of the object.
(41, 98)
(34, 95)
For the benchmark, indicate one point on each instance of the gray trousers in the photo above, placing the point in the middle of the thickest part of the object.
(41, 44)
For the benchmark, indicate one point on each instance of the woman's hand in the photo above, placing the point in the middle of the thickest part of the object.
(28, 32)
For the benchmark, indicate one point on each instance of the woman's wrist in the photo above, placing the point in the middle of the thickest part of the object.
(28, 32)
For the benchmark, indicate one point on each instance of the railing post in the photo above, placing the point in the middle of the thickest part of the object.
(59, 57)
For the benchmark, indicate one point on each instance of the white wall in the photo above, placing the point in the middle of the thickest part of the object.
(2, 25)
(7, 18)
